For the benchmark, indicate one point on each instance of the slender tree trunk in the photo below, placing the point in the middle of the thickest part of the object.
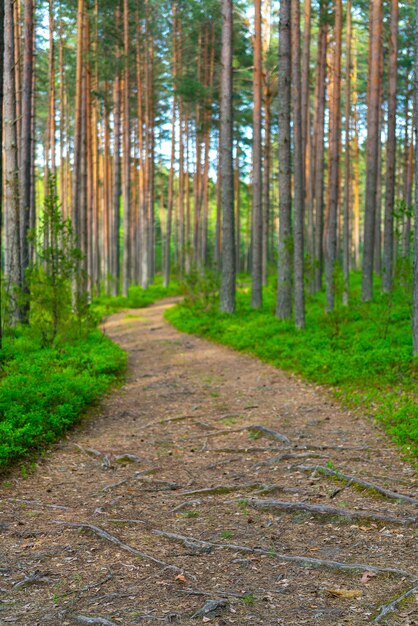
(115, 250)
(11, 180)
(266, 178)
(377, 257)
(356, 185)
(298, 165)
(415, 261)
(257, 215)
(227, 302)
(284, 283)
(237, 192)
(319, 130)
(126, 190)
(2, 24)
(347, 163)
(375, 28)
(26, 148)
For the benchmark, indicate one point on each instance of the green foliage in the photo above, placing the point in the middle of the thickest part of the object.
(45, 389)
(50, 278)
(364, 351)
(201, 288)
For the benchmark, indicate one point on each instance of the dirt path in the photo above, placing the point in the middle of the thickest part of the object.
(196, 514)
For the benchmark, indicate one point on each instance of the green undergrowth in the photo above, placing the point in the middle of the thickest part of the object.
(363, 352)
(45, 386)
(44, 390)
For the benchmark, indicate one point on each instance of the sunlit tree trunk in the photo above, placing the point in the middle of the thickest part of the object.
(1, 164)
(415, 260)
(126, 185)
(117, 177)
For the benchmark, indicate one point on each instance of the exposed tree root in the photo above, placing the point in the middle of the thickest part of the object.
(186, 505)
(269, 432)
(233, 459)
(221, 489)
(322, 509)
(56, 507)
(83, 619)
(117, 542)
(298, 560)
(287, 456)
(385, 609)
(169, 420)
(393, 495)
(209, 607)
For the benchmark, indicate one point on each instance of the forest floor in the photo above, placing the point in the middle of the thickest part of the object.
(191, 495)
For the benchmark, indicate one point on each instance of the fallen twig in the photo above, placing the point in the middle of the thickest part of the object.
(385, 609)
(186, 505)
(329, 510)
(393, 495)
(32, 579)
(116, 541)
(298, 560)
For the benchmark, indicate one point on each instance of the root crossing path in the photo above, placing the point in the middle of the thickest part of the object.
(210, 488)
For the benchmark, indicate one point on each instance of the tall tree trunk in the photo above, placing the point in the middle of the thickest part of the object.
(347, 160)
(356, 184)
(318, 144)
(11, 180)
(1, 164)
(126, 190)
(305, 85)
(284, 283)
(117, 176)
(377, 257)
(298, 165)
(227, 302)
(334, 160)
(375, 29)
(237, 192)
(26, 148)
(257, 214)
(415, 262)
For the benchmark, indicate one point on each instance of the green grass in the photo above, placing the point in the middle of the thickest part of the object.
(364, 352)
(44, 390)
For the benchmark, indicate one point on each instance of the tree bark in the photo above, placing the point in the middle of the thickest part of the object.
(2, 24)
(257, 209)
(26, 148)
(347, 163)
(126, 191)
(298, 165)
(227, 301)
(284, 282)
(415, 260)
(11, 180)
(375, 28)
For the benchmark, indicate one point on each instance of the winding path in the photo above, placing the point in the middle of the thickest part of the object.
(193, 487)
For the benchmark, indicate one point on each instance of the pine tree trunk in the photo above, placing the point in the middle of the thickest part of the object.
(347, 163)
(387, 276)
(356, 184)
(415, 261)
(11, 180)
(26, 148)
(227, 299)
(1, 164)
(298, 165)
(375, 28)
(284, 282)
(257, 214)
(318, 144)
(117, 178)
(126, 189)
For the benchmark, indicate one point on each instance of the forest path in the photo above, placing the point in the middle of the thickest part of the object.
(196, 514)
